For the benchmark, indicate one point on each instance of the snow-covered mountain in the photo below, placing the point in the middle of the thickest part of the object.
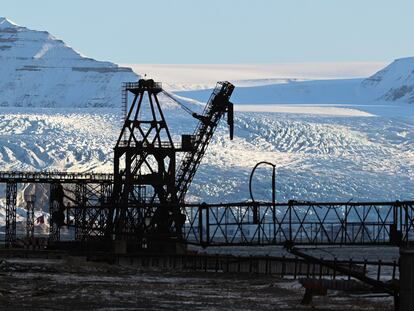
(333, 142)
(393, 83)
(38, 70)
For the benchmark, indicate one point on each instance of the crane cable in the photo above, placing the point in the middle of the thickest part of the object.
(195, 115)
(185, 108)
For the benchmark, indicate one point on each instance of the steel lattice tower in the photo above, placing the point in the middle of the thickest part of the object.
(144, 194)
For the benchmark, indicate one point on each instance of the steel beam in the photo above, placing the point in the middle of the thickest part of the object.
(54, 177)
(303, 223)
(56, 216)
(30, 204)
(11, 201)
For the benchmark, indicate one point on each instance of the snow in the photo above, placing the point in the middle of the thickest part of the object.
(318, 157)
(190, 77)
(42, 52)
(38, 70)
(393, 83)
(304, 109)
(6, 23)
(331, 139)
(295, 83)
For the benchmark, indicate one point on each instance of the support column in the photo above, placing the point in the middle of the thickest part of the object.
(30, 203)
(11, 199)
(80, 212)
(55, 211)
(406, 298)
(105, 194)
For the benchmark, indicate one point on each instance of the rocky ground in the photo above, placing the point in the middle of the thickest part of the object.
(73, 284)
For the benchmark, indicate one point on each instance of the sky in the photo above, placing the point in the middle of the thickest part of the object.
(224, 31)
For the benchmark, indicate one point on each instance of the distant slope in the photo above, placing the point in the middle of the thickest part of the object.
(293, 92)
(393, 83)
(38, 70)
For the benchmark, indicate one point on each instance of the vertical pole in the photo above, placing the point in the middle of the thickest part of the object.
(406, 296)
(394, 269)
(55, 201)
(80, 211)
(401, 220)
(200, 224)
(296, 268)
(11, 195)
(274, 202)
(407, 223)
(84, 212)
(379, 270)
(345, 229)
(290, 221)
(30, 201)
(207, 225)
(350, 268)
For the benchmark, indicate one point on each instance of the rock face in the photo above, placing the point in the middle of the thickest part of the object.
(38, 70)
(393, 83)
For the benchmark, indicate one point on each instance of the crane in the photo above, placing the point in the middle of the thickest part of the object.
(218, 104)
(148, 189)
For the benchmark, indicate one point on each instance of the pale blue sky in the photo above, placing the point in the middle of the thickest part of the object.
(224, 31)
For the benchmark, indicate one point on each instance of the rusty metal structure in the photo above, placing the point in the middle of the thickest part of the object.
(11, 200)
(144, 207)
(141, 205)
(30, 203)
(301, 223)
(144, 172)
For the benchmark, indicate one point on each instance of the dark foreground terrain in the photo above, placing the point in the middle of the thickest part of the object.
(73, 284)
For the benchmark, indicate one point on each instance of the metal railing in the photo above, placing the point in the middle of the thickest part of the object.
(163, 144)
(136, 85)
(50, 177)
(305, 223)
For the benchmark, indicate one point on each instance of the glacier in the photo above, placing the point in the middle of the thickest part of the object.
(331, 140)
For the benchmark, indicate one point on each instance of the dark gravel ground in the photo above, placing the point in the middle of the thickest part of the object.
(73, 284)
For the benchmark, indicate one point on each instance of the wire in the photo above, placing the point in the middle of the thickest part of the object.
(185, 108)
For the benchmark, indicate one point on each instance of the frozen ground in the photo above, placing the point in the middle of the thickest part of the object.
(63, 285)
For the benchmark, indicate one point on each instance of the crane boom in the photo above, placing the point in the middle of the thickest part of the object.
(216, 107)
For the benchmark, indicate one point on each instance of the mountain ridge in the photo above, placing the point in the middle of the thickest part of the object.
(395, 82)
(39, 70)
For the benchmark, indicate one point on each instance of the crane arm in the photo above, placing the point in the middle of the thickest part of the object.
(218, 104)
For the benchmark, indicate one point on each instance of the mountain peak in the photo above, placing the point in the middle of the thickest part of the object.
(6, 23)
(34, 62)
(409, 59)
(394, 82)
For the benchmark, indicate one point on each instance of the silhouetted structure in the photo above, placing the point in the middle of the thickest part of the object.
(144, 208)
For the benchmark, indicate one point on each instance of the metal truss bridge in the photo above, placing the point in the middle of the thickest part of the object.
(301, 223)
(243, 223)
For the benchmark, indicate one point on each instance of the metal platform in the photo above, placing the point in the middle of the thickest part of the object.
(51, 177)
